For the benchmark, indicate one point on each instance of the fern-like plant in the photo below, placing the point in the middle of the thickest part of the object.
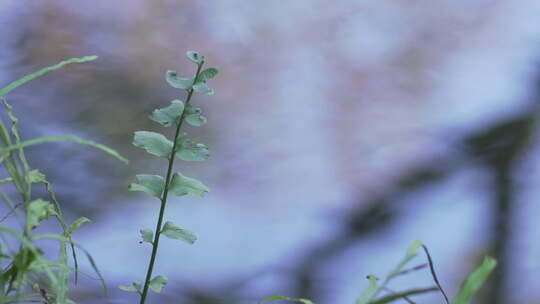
(180, 147)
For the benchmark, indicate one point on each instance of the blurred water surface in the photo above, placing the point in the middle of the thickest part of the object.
(323, 113)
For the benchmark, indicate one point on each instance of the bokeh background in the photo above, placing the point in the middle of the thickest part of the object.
(340, 130)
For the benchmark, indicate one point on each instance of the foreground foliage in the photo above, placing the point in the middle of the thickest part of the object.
(469, 287)
(28, 276)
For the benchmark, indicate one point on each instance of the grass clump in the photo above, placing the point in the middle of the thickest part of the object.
(28, 276)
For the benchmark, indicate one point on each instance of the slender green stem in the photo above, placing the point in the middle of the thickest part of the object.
(434, 275)
(157, 234)
(403, 295)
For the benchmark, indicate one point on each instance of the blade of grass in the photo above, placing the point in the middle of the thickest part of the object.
(86, 253)
(10, 164)
(280, 297)
(404, 294)
(15, 131)
(17, 83)
(475, 280)
(45, 139)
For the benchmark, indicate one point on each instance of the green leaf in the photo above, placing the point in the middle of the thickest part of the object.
(157, 283)
(147, 235)
(34, 177)
(280, 297)
(172, 231)
(208, 74)
(194, 56)
(135, 287)
(35, 252)
(10, 87)
(154, 143)
(38, 211)
(178, 82)
(202, 87)
(168, 116)
(189, 151)
(369, 293)
(95, 268)
(151, 184)
(44, 139)
(193, 116)
(411, 253)
(76, 225)
(182, 185)
(475, 280)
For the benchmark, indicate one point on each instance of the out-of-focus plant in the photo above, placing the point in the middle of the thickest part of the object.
(469, 287)
(180, 147)
(26, 275)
